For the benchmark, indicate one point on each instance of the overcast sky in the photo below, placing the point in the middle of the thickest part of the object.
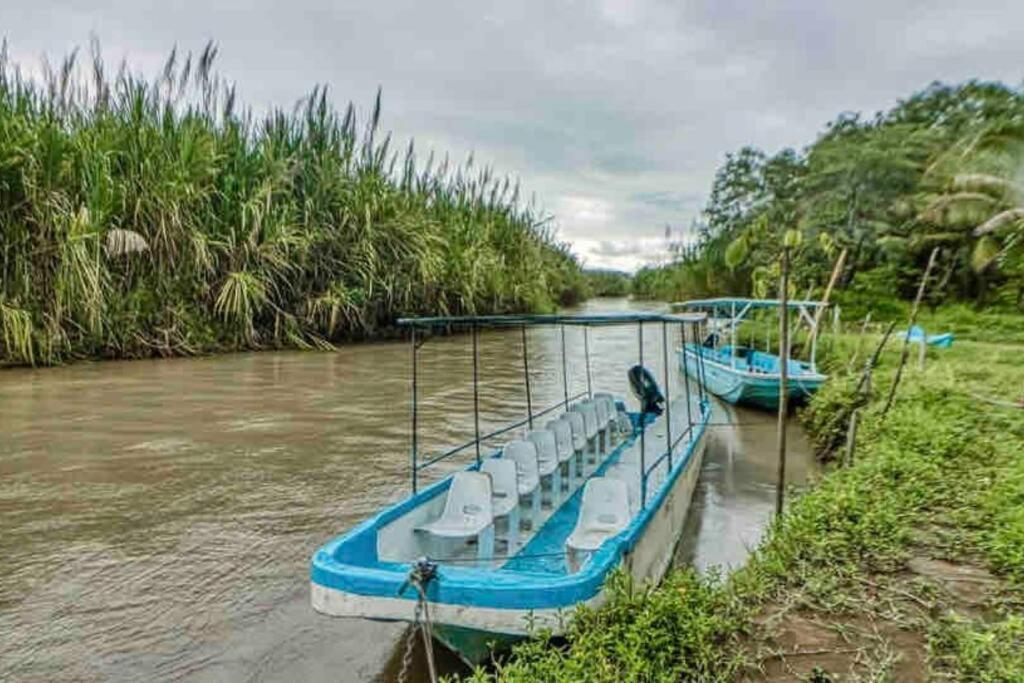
(614, 112)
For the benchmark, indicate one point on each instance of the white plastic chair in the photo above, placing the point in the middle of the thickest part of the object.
(504, 496)
(631, 475)
(566, 453)
(604, 512)
(547, 461)
(603, 423)
(589, 414)
(611, 409)
(467, 513)
(579, 438)
(524, 454)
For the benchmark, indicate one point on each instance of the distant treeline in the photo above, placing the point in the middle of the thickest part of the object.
(943, 168)
(607, 282)
(143, 218)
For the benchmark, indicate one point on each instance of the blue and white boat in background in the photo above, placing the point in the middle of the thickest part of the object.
(917, 335)
(742, 374)
(524, 534)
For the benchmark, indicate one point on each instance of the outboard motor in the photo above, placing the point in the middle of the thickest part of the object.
(645, 388)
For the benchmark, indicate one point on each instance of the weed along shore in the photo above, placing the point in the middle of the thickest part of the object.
(905, 563)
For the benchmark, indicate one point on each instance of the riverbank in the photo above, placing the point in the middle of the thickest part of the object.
(907, 565)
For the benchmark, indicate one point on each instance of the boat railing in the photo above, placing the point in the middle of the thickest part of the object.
(497, 432)
(475, 323)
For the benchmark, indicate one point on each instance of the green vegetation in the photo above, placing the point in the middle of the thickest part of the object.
(906, 565)
(940, 169)
(141, 218)
(607, 282)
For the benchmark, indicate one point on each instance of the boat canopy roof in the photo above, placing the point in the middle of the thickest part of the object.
(726, 302)
(553, 319)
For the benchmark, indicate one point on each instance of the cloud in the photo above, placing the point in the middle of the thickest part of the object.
(615, 113)
(623, 254)
(670, 201)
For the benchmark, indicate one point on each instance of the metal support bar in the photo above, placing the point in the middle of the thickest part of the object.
(498, 432)
(565, 376)
(476, 392)
(686, 379)
(668, 392)
(415, 417)
(586, 355)
(643, 430)
(526, 377)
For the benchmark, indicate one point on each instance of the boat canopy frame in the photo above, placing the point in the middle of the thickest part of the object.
(738, 308)
(419, 334)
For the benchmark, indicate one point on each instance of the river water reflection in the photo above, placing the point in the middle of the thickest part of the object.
(158, 516)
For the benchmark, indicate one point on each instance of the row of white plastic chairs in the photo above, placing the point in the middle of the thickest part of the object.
(566, 445)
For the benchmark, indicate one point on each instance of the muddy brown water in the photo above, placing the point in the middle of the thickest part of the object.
(158, 516)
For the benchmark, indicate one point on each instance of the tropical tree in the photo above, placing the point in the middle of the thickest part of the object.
(976, 202)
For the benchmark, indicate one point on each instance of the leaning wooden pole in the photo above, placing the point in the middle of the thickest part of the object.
(780, 490)
(906, 340)
(837, 270)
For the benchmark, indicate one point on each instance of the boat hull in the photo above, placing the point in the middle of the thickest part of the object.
(737, 386)
(474, 630)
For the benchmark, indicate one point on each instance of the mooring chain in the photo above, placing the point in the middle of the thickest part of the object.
(419, 576)
(410, 643)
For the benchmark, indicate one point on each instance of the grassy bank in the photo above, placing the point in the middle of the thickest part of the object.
(158, 217)
(907, 565)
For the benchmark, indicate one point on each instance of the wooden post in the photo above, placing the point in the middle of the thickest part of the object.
(851, 439)
(921, 353)
(906, 340)
(865, 379)
(860, 341)
(780, 491)
(820, 311)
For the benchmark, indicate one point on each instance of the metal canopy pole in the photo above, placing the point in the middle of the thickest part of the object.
(415, 465)
(643, 430)
(668, 393)
(698, 361)
(586, 354)
(565, 376)
(526, 376)
(686, 384)
(476, 393)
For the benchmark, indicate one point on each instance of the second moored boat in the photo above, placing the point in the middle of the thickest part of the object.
(743, 374)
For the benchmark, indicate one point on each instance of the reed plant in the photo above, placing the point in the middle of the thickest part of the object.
(145, 217)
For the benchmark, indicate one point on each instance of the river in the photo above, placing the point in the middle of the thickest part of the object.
(158, 516)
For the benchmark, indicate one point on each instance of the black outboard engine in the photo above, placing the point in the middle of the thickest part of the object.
(645, 388)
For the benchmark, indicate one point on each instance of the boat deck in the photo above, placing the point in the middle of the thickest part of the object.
(541, 549)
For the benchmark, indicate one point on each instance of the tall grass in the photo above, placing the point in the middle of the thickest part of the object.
(142, 217)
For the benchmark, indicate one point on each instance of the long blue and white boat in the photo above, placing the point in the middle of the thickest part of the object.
(528, 531)
(741, 373)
